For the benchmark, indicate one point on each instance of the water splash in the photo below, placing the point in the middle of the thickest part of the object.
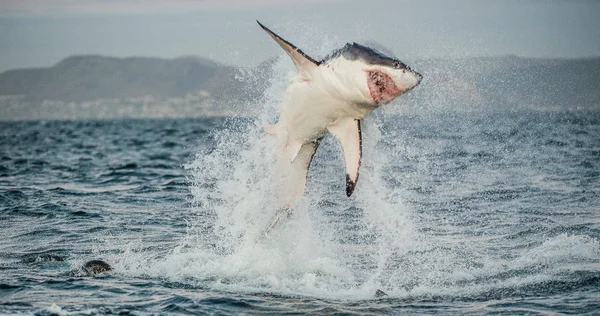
(335, 247)
(309, 254)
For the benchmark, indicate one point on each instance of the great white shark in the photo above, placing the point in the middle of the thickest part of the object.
(332, 95)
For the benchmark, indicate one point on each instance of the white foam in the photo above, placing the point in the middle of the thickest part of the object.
(57, 310)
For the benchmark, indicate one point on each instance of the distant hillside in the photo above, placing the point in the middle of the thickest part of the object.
(106, 87)
(103, 87)
(84, 78)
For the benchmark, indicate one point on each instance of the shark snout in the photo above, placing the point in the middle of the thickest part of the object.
(419, 77)
(413, 79)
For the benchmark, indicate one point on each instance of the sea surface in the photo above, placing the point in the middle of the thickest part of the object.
(454, 213)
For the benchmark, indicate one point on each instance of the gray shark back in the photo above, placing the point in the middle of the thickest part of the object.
(355, 51)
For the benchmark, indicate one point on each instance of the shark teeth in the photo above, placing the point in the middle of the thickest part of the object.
(382, 87)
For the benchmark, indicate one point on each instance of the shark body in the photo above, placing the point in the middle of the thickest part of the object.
(332, 95)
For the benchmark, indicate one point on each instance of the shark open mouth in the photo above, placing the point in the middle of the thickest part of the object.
(381, 87)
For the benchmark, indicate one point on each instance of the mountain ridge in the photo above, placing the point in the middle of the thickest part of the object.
(90, 86)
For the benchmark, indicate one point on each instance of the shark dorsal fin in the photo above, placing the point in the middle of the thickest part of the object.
(302, 61)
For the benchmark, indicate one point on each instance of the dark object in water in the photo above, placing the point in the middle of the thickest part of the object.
(380, 293)
(41, 258)
(93, 267)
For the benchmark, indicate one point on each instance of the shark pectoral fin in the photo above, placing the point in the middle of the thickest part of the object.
(293, 148)
(347, 131)
(302, 61)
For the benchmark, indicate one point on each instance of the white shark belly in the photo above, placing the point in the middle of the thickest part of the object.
(309, 109)
(306, 112)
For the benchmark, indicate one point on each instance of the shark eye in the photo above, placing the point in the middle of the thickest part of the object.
(399, 65)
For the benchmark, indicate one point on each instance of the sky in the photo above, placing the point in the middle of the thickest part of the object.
(40, 33)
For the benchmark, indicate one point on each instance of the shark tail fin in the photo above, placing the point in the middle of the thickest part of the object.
(290, 177)
(302, 61)
(291, 147)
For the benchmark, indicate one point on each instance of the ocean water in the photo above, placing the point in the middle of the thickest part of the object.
(455, 213)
